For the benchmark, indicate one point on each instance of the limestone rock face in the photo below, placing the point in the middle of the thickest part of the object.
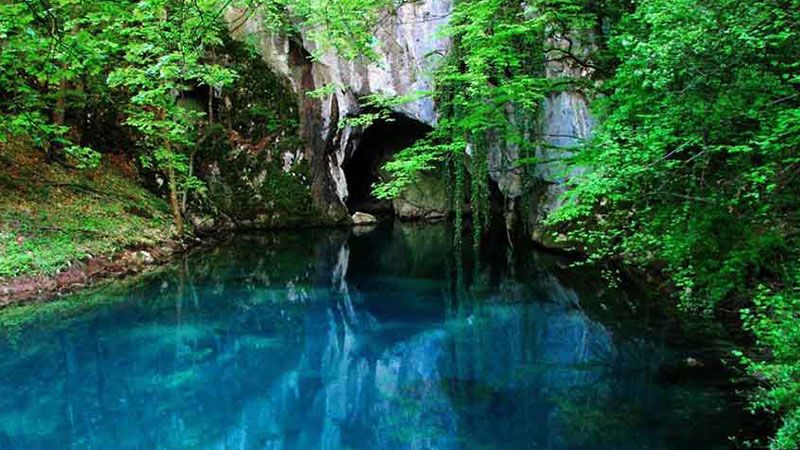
(251, 158)
(409, 45)
(424, 199)
(566, 123)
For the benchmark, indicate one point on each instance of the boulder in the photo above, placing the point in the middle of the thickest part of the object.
(424, 199)
(360, 218)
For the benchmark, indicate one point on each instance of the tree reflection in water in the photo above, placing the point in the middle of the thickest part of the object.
(333, 340)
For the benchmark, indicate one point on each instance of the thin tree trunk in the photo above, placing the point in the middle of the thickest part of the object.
(211, 93)
(173, 193)
(59, 114)
(173, 184)
(210, 105)
(185, 193)
(173, 200)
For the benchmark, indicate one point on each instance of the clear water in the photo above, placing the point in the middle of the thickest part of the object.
(379, 340)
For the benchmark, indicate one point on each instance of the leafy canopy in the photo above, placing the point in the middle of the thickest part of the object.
(695, 166)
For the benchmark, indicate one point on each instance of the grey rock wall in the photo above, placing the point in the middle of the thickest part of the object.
(408, 49)
(409, 45)
(565, 124)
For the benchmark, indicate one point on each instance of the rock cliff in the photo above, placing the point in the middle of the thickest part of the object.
(410, 46)
(408, 40)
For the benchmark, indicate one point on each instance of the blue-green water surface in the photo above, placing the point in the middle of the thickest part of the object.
(386, 339)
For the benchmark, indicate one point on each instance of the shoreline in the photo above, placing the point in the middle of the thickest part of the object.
(129, 264)
(83, 274)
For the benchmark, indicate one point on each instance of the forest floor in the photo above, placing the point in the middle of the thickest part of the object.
(61, 226)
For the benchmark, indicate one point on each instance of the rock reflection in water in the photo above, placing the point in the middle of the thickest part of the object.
(323, 340)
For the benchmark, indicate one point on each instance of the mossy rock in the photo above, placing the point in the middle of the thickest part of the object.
(252, 159)
(425, 198)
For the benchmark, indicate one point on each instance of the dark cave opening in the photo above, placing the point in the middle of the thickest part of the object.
(197, 98)
(379, 143)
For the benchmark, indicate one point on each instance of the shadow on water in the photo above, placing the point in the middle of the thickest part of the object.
(371, 339)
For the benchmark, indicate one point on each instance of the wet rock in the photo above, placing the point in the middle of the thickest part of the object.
(203, 224)
(425, 199)
(693, 362)
(690, 369)
(360, 218)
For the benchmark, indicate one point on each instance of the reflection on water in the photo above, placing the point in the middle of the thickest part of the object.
(324, 340)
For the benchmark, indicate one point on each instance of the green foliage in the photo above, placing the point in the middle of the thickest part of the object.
(695, 167)
(272, 107)
(693, 163)
(774, 321)
(344, 26)
(489, 88)
(166, 44)
(51, 217)
(49, 50)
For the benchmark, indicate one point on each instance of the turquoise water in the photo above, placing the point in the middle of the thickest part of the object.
(377, 340)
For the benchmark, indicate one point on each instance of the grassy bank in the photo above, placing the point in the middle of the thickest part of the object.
(52, 216)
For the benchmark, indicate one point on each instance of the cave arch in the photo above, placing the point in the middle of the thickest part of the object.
(378, 144)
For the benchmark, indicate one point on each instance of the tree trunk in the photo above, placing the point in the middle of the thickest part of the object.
(211, 93)
(60, 111)
(173, 184)
(173, 192)
(173, 199)
(185, 193)
(211, 105)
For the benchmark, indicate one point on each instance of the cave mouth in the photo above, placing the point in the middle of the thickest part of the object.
(378, 144)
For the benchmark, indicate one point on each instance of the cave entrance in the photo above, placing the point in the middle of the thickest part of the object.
(379, 143)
